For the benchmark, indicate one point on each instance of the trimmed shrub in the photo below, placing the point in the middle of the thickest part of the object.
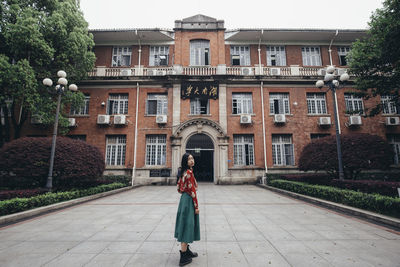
(359, 152)
(21, 193)
(24, 163)
(368, 186)
(321, 179)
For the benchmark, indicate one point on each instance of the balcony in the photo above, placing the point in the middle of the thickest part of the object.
(250, 71)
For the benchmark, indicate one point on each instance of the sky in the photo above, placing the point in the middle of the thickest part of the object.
(314, 14)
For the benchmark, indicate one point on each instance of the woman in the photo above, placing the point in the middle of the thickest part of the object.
(187, 227)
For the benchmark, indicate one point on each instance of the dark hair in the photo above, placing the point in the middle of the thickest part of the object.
(184, 163)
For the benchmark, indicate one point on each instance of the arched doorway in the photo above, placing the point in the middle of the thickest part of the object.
(202, 148)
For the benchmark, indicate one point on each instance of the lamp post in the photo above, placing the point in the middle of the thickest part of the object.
(61, 84)
(333, 85)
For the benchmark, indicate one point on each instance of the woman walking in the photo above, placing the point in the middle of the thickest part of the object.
(187, 227)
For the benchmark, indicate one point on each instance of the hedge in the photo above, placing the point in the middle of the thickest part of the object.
(373, 202)
(21, 204)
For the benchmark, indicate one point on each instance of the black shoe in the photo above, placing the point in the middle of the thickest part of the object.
(185, 258)
(191, 254)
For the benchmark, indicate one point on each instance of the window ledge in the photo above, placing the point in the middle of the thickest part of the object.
(199, 115)
(318, 115)
(245, 167)
(152, 167)
(271, 115)
(238, 115)
(116, 167)
(79, 116)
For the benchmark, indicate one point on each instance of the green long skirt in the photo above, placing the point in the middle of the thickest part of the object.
(187, 226)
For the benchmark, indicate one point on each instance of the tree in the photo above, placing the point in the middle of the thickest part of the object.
(360, 152)
(38, 38)
(375, 60)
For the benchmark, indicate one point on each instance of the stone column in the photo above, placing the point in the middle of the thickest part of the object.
(176, 119)
(223, 158)
(222, 107)
(176, 155)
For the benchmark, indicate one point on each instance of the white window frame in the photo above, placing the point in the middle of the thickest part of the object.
(242, 102)
(121, 55)
(276, 56)
(197, 109)
(282, 150)
(241, 143)
(282, 100)
(388, 106)
(316, 103)
(311, 56)
(115, 150)
(84, 109)
(342, 52)
(161, 104)
(243, 52)
(199, 53)
(117, 104)
(156, 150)
(354, 104)
(156, 54)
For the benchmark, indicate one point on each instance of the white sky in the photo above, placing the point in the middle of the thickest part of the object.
(332, 14)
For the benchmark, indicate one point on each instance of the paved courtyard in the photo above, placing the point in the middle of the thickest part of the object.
(240, 226)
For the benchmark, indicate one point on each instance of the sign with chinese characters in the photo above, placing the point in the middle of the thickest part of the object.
(199, 90)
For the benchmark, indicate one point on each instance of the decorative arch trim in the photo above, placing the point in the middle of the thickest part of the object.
(199, 121)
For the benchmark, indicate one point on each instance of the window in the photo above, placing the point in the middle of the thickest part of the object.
(117, 104)
(388, 105)
(199, 53)
(115, 150)
(83, 110)
(240, 55)
(276, 56)
(77, 137)
(316, 103)
(279, 103)
(159, 55)
(318, 136)
(311, 56)
(282, 150)
(354, 104)
(243, 150)
(157, 104)
(342, 52)
(156, 149)
(394, 141)
(121, 56)
(199, 106)
(242, 103)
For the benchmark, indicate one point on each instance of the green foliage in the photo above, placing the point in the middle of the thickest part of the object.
(375, 60)
(20, 204)
(38, 38)
(373, 202)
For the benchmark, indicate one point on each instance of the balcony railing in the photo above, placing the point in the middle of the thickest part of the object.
(250, 71)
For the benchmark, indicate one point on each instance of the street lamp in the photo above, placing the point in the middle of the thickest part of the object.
(62, 83)
(333, 85)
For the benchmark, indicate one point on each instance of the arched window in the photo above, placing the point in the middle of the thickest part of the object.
(199, 52)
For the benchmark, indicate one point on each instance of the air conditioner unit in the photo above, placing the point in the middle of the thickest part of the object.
(392, 121)
(275, 71)
(355, 120)
(161, 119)
(246, 71)
(245, 119)
(279, 118)
(324, 121)
(125, 72)
(321, 72)
(36, 120)
(119, 119)
(103, 119)
(161, 72)
(71, 122)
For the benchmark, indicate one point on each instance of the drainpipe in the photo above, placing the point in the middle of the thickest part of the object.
(330, 63)
(262, 107)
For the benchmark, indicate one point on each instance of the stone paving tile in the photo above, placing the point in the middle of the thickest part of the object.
(239, 225)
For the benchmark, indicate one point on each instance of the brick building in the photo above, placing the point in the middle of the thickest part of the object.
(242, 101)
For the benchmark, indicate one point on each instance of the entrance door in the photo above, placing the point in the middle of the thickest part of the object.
(202, 149)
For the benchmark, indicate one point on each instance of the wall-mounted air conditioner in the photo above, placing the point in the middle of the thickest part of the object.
(161, 119)
(120, 119)
(355, 120)
(245, 119)
(391, 121)
(126, 72)
(71, 122)
(275, 71)
(246, 71)
(324, 121)
(279, 118)
(103, 119)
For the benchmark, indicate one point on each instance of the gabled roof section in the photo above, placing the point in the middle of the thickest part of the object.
(199, 23)
(131, 36)
(199, 18)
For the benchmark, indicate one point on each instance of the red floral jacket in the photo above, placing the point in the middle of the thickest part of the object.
(188, 184)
